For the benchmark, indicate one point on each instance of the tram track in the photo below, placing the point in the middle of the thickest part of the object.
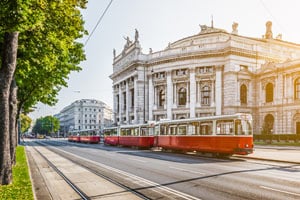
(142, 188)
(90, 169)
(83, 195)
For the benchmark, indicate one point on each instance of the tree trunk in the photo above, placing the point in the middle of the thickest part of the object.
(12, 121)
(7, 69)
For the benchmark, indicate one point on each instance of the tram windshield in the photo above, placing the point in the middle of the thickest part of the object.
(243, 127)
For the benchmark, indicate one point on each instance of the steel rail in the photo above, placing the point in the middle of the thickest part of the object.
(73, 186)
(99, 174)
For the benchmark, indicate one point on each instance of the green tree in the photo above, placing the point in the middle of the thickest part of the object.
(46, 125)
(38, 50)
(25, 123)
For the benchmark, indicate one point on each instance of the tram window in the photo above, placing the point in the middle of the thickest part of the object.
(156, 130)
(182, 130)
(172, 130)
(225, 127)
(238, 127)
(163, 130)
(144, 131)
(191, 129)
(206, 128)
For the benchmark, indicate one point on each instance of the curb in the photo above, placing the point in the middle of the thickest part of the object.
(268, 159)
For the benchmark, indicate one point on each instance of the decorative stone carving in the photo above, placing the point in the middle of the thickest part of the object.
(136, 36)
(114, 53)
(269, 34)
(234, 28)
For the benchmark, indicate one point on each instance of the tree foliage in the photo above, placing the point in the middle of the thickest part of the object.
(49, 52)
(45, 33)
(46, 125)
(25, 123)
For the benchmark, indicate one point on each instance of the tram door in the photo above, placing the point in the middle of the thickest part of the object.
(298, 128)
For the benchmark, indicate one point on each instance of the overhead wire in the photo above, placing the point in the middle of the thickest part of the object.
(270, 13)
(98, 22)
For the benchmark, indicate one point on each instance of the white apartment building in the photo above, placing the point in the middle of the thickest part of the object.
(85, 114)
(213, 72)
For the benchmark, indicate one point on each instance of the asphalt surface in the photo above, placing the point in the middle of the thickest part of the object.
(255, 176)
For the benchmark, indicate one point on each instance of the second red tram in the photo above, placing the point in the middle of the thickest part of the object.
(85, 136)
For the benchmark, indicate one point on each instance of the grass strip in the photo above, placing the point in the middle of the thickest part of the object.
(21, 187)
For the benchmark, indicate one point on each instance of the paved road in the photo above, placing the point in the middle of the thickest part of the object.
(195, 177)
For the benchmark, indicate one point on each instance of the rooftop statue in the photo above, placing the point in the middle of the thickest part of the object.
(136, 36)
(269, 34)
(234, 28)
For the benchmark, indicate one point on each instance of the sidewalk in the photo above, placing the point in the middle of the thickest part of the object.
(274, 153)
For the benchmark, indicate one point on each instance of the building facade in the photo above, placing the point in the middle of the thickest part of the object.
(85, 114)
(214, 72)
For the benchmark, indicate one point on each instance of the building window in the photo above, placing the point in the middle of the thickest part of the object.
(205, 95)
(181, 72)
(269, 92)
(268, 124)
(132, 97)
(124, 100)
(297, 88)
(79, 121)
(243, 68)
(182, 96)
(162, 98)
(204, 70)
(243, 94)
(118, 103)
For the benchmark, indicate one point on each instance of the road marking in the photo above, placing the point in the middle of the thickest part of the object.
(185, 170)
(282, 191)
(132, 176)
(137, 160)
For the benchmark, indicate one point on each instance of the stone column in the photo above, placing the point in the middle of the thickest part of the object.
(192, 94)
(127, 102)
(169, 95)
(175, 94)
(218, 90)
(120, 104)
(213, 93)
(151, 98)
(135, 100)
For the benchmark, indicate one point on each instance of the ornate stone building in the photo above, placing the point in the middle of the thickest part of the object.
(214, 72)
(85, 114)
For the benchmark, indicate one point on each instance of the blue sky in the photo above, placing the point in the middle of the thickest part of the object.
(160, 22)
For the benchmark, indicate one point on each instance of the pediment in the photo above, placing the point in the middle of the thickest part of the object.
(268, 67)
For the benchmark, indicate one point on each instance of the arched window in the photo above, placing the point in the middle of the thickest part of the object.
(162, 98)
(297, 89)
(205, 95)
(243, 94)
(269, 92)
(182, 96)
(268, 124)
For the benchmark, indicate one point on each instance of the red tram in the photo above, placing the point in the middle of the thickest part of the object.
(85, 136)
(220, 135)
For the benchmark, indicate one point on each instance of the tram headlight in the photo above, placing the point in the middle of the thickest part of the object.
(246, 145)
